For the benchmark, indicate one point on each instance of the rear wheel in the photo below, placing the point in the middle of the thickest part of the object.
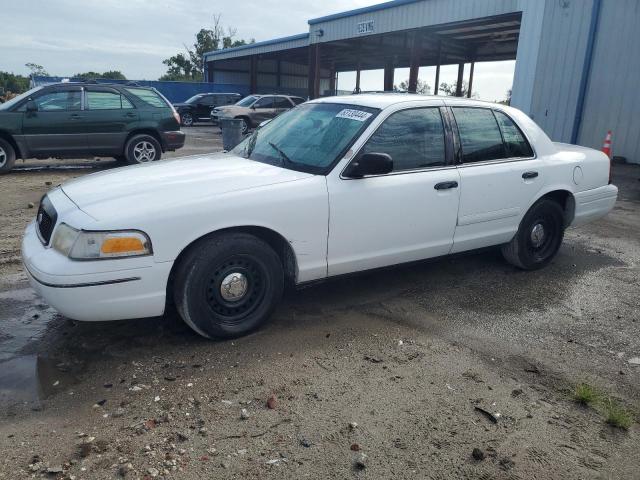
(142, 149)
(245, 125)
(7, 156)
(538, 238)
(186, 119)
(227, 285)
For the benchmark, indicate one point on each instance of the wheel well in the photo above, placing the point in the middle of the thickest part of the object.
(12, 142)
(244, 117)
(144, 131)
(566, 200)
(276, 241)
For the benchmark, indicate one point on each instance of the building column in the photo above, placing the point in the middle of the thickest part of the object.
(415, 62)
(358, 79)
(459, 81)
(253, 75)
(314, 71)
(473, 65)
(278, 79)
(437, 83)
(332, 80)
(389, 70)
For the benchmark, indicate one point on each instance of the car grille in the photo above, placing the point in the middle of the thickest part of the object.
(46, 220)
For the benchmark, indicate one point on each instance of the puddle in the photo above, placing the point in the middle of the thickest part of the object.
(28, 379)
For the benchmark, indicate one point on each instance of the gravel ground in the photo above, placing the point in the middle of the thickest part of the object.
(460, 367)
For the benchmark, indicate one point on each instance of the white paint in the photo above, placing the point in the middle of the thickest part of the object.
(334, 224)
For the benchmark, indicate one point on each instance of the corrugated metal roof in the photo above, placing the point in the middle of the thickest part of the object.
(283, 43)
(358, 11)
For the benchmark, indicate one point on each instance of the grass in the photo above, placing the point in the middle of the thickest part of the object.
(617, 416)
(585, 394)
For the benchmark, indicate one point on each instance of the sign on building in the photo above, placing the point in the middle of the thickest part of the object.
(365, 27)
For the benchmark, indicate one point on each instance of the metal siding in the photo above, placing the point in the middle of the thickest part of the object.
(612, 101)
(559, 67)
(412, 15)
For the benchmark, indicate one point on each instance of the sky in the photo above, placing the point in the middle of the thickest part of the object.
(134, 36)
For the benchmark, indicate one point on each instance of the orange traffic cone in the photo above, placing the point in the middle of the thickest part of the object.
(606, 147)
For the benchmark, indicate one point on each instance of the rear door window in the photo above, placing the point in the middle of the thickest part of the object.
(479, 134)
(105, 100)
(514, 141)
(282, 102)
(264, 102)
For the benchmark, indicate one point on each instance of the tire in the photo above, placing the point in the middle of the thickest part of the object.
(246, 126)
(538, 238)
(186, 119)
(7, 156)
(200, 295)
(142, 149)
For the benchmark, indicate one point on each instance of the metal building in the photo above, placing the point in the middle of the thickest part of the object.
(577, 61)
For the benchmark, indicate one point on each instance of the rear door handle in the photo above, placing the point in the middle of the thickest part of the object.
(130, 114)
(75, 116)
(529, 175)
(446, 185)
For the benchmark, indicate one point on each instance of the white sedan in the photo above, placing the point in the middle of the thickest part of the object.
(334, 186)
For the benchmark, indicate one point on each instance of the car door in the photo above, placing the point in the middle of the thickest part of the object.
(108, 118)
(499, 177)
(282, 104)
(406, 215)
(263, 109)
(204, 105)
(55, 129)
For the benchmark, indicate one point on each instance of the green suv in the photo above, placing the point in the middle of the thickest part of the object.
(73, 120)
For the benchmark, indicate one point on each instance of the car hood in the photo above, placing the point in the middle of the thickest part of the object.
(165, 184)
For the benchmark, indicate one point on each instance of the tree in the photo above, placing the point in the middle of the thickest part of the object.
(450, 89)
(423, 87)
(13, 83)
(110, 75)
(189, 66)
(36, 70)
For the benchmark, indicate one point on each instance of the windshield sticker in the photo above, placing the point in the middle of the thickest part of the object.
(358, 115)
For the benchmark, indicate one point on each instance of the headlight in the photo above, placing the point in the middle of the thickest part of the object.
(84, 245)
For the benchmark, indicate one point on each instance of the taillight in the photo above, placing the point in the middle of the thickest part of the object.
(176, 115)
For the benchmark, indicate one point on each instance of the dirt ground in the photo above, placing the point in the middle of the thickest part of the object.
(399, 373)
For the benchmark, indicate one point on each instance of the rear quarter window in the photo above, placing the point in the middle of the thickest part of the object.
(148, 97)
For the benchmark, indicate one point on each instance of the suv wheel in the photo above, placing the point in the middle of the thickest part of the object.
(142, 149)
(227, 285)
(186, 119)
(7, 156)
(538, 238)
(245, 125)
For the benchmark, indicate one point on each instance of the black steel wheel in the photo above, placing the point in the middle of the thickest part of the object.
(227, 285)
(538, 238)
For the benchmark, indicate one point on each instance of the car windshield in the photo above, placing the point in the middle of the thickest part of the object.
(247, 101)
(193, 99)
(7, 105)
(308, 138)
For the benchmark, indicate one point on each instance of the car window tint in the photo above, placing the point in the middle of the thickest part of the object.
(103, 101)
(59, 101)
(479, 134)
(515, 143)
(149, 97)
(413, 138)
(125, 102)
(298, 100)
(265, 102)
(207, 100)
(282, 102)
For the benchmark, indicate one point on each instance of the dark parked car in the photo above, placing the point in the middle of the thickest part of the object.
(198, 108)
(73, 120)
(255, 109)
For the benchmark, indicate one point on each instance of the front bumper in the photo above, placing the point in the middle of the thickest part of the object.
(95, 290)
(173, 140)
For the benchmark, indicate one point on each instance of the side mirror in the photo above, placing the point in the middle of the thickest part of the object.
(31, 106)
(253, 107)
(370, 164)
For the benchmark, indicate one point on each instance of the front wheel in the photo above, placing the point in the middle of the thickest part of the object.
(227, 285)
(538, 238)
(7, 156)
(142, 149)
(186, 119)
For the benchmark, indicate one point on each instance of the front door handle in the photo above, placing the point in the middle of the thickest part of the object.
(529, 175)
(446, 185)
(130, 114)
(75, 116)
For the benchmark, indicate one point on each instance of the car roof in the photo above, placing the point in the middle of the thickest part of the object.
(384, 100)
(96, 84)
